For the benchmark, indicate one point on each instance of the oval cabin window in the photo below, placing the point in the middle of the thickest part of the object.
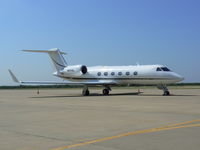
(105, 73)
(135, 73)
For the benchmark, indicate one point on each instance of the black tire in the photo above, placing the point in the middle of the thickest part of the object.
(166, 93)
(86, 93)
(105, 92)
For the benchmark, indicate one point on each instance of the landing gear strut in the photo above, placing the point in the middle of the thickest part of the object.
(85, 92)
(106, 90)
(165, 89)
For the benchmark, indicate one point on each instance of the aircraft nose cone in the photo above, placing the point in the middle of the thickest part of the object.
(182, 78)
(179, 77)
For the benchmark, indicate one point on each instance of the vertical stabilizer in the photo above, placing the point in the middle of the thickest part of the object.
(56, 56)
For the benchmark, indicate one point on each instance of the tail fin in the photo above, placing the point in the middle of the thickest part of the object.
(56, 57)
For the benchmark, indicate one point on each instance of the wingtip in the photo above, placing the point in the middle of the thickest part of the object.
(13, 76)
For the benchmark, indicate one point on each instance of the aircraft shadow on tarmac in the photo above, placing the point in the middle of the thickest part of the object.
(91, 95)
(99, 95)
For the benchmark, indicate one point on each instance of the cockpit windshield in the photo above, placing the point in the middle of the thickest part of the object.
(163, 69)
(158, 69)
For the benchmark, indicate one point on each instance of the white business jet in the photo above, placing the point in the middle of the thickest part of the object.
(105, 76)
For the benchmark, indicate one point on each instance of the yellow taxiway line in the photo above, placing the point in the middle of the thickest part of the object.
(187, 124)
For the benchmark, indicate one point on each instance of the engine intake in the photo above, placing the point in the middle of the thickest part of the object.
(84, 69)
(77, 70)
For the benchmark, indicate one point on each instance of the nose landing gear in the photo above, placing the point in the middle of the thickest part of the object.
(166, 93)
(165, 89)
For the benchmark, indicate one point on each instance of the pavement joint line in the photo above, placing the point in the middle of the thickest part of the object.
(151, 130)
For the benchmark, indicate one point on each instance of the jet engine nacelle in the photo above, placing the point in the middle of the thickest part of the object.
(75, 70)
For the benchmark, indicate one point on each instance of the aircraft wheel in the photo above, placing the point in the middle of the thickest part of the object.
(166, 93)
(86, 93)
(105, 92)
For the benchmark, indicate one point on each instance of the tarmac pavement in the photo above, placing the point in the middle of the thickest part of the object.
(63, 119)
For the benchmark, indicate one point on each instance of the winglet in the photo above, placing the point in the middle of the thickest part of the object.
(14, 77)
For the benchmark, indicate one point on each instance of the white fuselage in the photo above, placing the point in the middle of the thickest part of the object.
(105, 76)
(140, 74)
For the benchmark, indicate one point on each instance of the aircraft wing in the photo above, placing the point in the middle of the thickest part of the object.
(89, 82)
(93, 82)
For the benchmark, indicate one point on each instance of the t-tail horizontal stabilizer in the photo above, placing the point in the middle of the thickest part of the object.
(56, 56)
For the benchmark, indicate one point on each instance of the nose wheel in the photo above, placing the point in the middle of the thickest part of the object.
(166, 93)
(165, 89)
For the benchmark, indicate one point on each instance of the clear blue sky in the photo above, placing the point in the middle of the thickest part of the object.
(99, 32)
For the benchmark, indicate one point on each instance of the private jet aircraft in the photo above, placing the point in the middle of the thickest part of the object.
(105, 76)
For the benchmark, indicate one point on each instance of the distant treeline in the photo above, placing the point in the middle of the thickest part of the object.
(70, 86)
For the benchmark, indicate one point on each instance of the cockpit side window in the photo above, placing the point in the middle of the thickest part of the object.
(158, 69)
(165, 69)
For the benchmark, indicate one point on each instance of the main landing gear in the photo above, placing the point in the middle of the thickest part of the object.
(105, 91)
(85, 92)
(166, 93)
(165, 89)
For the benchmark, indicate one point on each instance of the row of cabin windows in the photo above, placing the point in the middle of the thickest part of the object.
(119, 73)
